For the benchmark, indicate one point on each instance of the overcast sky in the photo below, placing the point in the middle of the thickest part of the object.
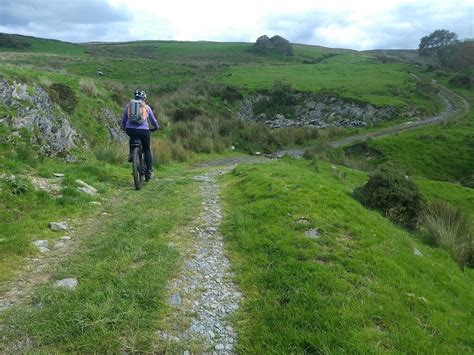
(361, 24)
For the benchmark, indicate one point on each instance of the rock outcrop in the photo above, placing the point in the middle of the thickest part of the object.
(31, 108)
(109, 119)
(319, 111)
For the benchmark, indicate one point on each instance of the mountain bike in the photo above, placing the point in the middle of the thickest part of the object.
(139, 168)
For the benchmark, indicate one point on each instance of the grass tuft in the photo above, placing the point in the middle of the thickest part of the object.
(451, 229)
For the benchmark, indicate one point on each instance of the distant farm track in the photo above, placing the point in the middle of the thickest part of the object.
(453, 105)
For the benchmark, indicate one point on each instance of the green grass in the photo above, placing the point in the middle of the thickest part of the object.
(197, 53)
(123, 266)
(133, 71)
(358, 288)
(349, 75)
(41, 45)
(24, 216)
(439, 152)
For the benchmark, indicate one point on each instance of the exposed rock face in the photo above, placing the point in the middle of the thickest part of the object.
(34, 111)
(319, 111)
(109, 119)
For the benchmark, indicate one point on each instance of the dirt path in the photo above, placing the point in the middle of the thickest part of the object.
(453, 105)
(204, 295)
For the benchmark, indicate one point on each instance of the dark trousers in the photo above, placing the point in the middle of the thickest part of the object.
(144, 136)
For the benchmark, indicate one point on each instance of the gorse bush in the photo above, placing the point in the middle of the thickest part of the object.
(390, 191)
(450, 228)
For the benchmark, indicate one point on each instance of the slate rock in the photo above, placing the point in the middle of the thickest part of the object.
(68, 283)
(312, 233)
(58, 226)
(175, 299)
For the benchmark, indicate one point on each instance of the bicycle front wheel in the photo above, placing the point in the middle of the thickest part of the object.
(137, 168)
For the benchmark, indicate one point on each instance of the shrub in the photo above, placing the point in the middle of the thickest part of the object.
(186, 112)
(393, 193)
(19, 185)
(461, 80)
(88, 87)
(226, 92)
(451, 229)
(280, 100)
(63, 95)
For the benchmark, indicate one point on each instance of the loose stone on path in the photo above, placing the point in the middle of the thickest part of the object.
(58, 226)
(205, 295)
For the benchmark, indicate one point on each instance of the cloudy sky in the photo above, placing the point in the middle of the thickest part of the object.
(362, 24)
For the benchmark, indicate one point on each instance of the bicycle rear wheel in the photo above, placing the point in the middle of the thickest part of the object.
(137, 168)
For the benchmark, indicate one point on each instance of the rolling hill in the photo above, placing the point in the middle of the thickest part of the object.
(316, 271)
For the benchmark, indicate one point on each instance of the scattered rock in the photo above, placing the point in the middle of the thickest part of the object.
(95, 203)
(86, 188)
(41, 243)
(416, 251)
(312, 233)
(59, 175)
(302, 220)
(44, 250)
(258, 154)
(220, 347)
(51, 186)
(71, 159)
(58, 226)
(59, 245)
(175, 299)
(66, 238)
(68, 283)
(318, 110)
(168, 337)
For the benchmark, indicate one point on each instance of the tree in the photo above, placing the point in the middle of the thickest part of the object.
(276, 44)
(438, 43)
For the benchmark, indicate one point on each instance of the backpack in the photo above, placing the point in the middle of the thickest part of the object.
(137, 112)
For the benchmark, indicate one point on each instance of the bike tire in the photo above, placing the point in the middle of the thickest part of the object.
(136, 168)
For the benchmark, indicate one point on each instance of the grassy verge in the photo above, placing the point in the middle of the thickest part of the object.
(25, 211)
(357, 288)
(122, 266)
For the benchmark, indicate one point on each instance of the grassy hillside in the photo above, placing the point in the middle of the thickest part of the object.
(14, 43)
(358, 287)
(349, 75)
(440, 152)
(230, 53)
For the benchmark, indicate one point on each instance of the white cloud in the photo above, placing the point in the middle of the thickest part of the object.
(359, 24)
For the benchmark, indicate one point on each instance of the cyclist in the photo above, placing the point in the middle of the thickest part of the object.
(141, 131)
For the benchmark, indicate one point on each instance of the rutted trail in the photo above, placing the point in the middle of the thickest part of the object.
(205, 295)
(453, 105)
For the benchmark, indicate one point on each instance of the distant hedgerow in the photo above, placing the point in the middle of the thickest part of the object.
(390, 191)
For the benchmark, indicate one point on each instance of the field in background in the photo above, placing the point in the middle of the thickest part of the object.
(356, 287)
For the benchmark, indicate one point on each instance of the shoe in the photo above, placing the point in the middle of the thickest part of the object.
(149, 175)
(130, 158)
